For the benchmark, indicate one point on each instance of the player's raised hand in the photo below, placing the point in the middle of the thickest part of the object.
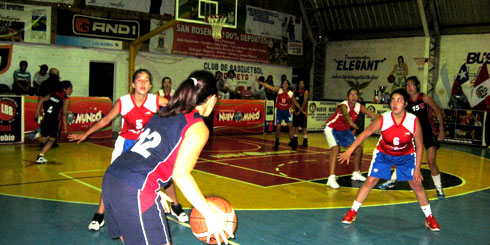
(78, 137)
(217, 226)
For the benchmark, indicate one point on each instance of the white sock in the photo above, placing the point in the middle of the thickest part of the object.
(356, 205)
(295, 135)
(426, 210)
(331, 176)
(305, 136)
(393, 176)
(437, 181)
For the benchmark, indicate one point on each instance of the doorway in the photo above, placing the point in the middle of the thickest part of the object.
(101, 83)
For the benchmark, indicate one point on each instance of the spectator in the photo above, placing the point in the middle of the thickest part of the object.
(166, 91)
(222, 91)
(22, 80)
(231, 85)
(51, 84)
(458, 100)
(39, 77)
(258, 90)
(271, 95)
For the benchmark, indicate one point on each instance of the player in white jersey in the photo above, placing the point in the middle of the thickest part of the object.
(399, 129)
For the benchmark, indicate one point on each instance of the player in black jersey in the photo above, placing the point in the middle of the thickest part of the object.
(299, 118)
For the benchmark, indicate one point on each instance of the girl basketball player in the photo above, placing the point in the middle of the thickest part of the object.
(299, 118)
(421, 105)
(283, 103)
(136, 110)
(166, 91)
(337, 132)
(55, 107)
(395, 147)
(168, 148)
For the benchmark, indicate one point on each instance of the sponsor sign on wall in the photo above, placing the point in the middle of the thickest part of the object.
(82, 114)
(25, 23)
(233, 117)
(318, 114)
(11, 116)
(79, 25)
(164, 7)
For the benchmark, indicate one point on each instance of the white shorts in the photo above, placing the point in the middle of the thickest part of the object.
(329, 137)
(121, 146)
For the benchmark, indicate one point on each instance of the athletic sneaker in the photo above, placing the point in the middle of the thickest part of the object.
(387, 185)
(432, 223)
(332, 182)
(356, 175)
(350, 217)
(294, 143)
(440, 194)
(40, 159)
(179, 213)
(276, 145)
(97, 222)
(305, 142)
(35, 134)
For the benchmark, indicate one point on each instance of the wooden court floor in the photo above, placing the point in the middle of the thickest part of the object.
(280, 196)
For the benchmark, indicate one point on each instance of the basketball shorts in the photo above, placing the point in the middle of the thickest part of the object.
(50, 128)
(121, 146)
(299, 120)
(429, 139)
(335, 137)
(125, 219)
(381, 166)
(283, 115)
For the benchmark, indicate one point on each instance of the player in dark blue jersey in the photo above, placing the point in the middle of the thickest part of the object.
(167, 149)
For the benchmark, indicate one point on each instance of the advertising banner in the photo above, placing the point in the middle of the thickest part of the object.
(11, 126)
(376, 109)
(318, 114)
(25, 23)
(79, 25)
(235, 117)
(163, 7)
(268, 23)
(82, 114)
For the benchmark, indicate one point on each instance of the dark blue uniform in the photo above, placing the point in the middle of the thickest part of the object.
(131, 182)
(52, 115)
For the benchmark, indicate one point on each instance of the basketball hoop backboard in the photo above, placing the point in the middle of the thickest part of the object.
(197, 11)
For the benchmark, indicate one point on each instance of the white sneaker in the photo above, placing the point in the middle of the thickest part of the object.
(179, 213)
(356, 175)
(332, 182)
(40, 159)
(97, 222)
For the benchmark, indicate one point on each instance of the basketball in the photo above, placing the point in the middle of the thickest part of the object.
(391, 78)
(198, 223)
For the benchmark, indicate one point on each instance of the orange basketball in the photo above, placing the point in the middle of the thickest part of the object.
(391, 78)
(198, 223)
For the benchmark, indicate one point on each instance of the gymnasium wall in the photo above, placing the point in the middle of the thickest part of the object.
(345, 63)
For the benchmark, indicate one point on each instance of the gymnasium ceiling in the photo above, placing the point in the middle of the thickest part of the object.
(361, 19)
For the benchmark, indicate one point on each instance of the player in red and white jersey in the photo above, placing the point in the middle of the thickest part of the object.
(166, 92)
(395, 147)
(337, 133)
(284, 100)
(136, 109)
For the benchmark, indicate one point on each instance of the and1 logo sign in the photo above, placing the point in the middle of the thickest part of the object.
(8, 109)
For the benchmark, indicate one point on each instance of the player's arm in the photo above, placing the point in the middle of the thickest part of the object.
(419, 150)
(192, 145)
(162, 101)
(345, 113)
(373, 127)
(428, 100)
(275, 89)
(368, 112)
(66, 106)
(296, 104)
(100, 124)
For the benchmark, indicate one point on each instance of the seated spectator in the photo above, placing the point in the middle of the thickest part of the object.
(258, 90)
(231, 85)
(22, 80)
(51, 84)
(222, 91)
(40, 77)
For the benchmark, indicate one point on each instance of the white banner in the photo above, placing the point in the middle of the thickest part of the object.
(263, 22)
(318, 114)
(167, 6)
(25, 23)
(163, 41)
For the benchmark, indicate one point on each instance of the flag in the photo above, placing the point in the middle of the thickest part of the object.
(461, 78)
(481, 89)
(445, 77)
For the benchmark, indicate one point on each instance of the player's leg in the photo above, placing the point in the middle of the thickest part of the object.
(176, 209)
(47, 146)
(305, 131)
(434, 171)
(357, 157)
(361, 196)
(334, 151)
(294, 141)
(419, 191)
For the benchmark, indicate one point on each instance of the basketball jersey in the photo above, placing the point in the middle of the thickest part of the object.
(338, 122)
(166, 96)
(149, 163)
(283, 100)
(52, 107)
(299, 96)
(396, 140)
(423, 112)
(135, 118)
